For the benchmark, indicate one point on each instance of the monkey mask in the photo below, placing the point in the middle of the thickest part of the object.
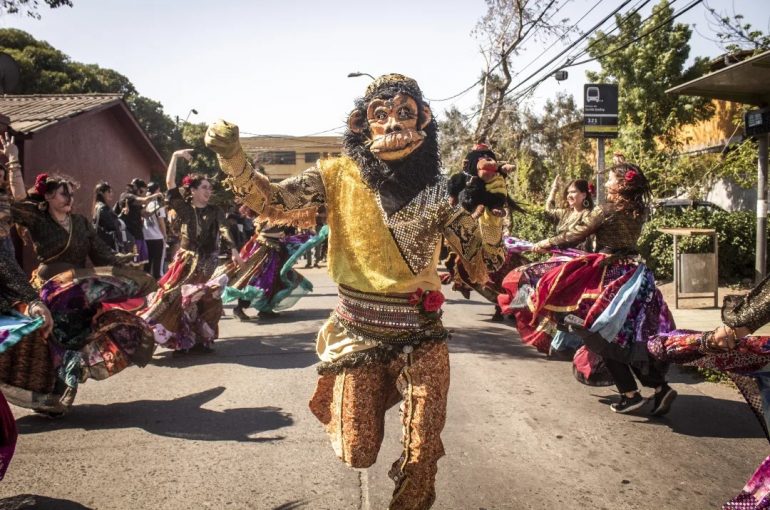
(395, 117)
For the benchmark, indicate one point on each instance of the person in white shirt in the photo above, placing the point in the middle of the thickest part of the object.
(154, 229)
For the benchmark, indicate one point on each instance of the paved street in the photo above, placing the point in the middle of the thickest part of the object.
(232, 430)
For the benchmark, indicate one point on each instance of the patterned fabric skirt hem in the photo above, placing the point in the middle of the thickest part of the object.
(185, 311)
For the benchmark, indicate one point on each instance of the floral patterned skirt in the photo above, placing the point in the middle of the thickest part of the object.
(94, 336)
(186, 309)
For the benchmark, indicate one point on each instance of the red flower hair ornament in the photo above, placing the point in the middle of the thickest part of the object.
(186, 181)
(591, 189)
(40, 186)
(631, 176)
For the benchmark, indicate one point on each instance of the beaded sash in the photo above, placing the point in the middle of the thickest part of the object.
(385, 318)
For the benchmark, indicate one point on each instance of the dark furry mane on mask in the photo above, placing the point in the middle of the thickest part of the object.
(401, 179)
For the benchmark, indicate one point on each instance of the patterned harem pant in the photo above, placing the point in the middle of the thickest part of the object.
(352, 406)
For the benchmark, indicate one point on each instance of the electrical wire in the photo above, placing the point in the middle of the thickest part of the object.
(636, 39)
(504, 56)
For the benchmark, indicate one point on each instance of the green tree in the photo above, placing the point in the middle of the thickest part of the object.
(46, 70)
(204, 162)
(649, 118)
(30, 7)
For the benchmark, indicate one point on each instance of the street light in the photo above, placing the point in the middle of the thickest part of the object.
(192, 111)
(357, 74)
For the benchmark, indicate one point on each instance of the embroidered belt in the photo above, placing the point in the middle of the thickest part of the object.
(385, 318)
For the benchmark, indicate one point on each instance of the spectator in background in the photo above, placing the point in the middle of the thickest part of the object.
(107, 224)
(154, 230)
(130, 209)
(235, 227)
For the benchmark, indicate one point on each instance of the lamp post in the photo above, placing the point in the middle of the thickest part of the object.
(192, 111)
(357, 74)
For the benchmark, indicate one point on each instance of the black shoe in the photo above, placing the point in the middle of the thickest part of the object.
(566, 354)
(240, 314)
(268, 315)
(200, 349)
(663, 400)
(626, 404)
(308, 266)
(498, 316)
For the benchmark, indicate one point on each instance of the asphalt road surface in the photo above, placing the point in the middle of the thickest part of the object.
(232, 430)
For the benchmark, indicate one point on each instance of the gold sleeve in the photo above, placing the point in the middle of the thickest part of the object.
(751, 311)
(251, 188)
(580, 231)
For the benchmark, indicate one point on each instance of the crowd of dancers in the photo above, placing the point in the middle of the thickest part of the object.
(389, 212)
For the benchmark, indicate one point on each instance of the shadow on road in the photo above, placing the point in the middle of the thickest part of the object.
(182, 418)
(291, 505)
(31, 501)
(274, 352)
(495, 340)
(287, 316)
(703, 416)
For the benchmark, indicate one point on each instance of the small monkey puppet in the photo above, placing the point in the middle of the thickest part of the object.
(468, 187)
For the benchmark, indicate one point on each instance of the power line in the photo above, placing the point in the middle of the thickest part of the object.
(568, 48)
(632, 41)
(559, 38)
(521, 94)
(504, 56)
(596, 41)
(571, 64)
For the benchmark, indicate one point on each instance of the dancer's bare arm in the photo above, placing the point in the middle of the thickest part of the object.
(185, 154)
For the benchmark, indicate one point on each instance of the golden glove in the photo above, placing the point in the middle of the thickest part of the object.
(223, 138)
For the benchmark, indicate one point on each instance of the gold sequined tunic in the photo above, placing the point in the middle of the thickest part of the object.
(376, 254)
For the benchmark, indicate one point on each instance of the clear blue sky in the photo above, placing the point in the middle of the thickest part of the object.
(281, 67)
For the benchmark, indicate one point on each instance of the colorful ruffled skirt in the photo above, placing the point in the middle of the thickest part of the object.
(268, 280)
(96, 335)
(8, 435)
(615, 297)
(186, 309)
(517, 287)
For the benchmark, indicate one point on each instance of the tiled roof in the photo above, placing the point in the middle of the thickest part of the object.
(29, 113)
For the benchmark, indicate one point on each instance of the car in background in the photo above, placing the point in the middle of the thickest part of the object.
(679, 205)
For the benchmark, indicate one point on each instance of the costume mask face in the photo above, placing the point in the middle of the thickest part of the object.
(486, 168)
(394, 125)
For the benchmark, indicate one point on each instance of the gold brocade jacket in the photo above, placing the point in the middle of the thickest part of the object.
(369, 250)
(568, 219)
(614, 230)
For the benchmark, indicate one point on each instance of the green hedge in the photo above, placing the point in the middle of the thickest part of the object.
(533, 226)
(735, 231)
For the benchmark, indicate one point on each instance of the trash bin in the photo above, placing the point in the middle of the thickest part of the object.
(696, 275)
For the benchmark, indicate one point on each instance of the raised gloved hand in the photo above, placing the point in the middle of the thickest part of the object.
(223, 138)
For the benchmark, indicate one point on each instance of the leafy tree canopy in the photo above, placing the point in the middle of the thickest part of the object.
(30, 7)
(46, 70)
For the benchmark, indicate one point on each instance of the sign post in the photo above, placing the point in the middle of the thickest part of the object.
(600, 121)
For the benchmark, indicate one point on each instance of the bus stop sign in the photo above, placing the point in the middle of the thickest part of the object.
(600, 110)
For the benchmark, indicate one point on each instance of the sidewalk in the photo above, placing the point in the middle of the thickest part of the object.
(699, 313)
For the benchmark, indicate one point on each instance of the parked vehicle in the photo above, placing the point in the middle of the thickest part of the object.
(682, 204)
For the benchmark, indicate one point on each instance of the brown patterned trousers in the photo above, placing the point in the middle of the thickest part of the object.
(352, 406)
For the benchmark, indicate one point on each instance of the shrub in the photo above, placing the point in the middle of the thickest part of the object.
(735, 233)
(533, 226)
